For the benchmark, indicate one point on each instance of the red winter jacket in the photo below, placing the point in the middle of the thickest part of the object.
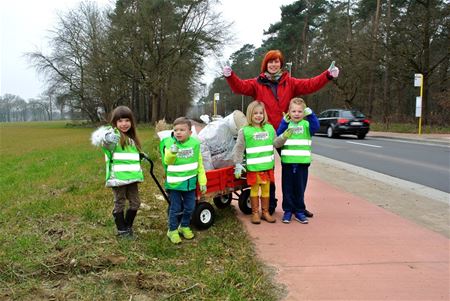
(288, 87)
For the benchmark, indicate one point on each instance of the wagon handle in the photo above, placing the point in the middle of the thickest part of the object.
(144, 156)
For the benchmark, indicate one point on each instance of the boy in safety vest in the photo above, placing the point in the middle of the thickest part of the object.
(296, 158)
(183, 164)
(257, 140)
(122, 150)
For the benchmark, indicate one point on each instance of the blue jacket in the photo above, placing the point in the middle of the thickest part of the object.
(313, 125)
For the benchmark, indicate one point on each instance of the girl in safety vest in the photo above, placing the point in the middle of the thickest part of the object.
(296, 158)
(257, 141)
(183, 165)
(122, 149)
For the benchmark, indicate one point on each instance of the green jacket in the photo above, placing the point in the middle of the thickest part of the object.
(259, 147)
(123, 165)
(297, 148)
(185, 168)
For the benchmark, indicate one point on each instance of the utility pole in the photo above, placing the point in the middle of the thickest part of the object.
(289, 65)
(418, 82)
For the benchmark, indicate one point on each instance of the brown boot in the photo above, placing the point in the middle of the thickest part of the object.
(254, 201)
(265, 211)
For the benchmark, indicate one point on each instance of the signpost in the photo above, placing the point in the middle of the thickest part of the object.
(216, 99)
(418, 82)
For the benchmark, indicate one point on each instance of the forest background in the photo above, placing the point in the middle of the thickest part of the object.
(150, 56)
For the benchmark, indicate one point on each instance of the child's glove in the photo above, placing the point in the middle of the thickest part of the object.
(112, 137)
(307, 112)
(174, 149)
(227, 71)
(333, 70)
(203, 189)
(288, 133)
(286, 117)
(238, 169)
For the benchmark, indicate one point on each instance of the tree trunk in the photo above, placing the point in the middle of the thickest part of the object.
(373, 59)
(426, 62)
(387, 80)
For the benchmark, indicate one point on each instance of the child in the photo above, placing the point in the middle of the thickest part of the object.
(296, 158)
(122, 150)
(257, 140)
(183, 165)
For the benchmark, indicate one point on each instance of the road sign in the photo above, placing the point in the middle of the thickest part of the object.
(418, 106)
(418, 80)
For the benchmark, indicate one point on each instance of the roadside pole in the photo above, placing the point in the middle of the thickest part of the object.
(216, 99)
(418, 82)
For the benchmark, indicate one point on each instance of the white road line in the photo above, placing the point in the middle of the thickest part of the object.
(364, 144)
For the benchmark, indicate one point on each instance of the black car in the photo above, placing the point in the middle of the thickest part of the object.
(335, 122)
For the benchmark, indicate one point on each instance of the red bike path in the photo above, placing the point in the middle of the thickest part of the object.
(351, 250)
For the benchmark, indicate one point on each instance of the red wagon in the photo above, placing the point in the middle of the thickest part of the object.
(222, 187)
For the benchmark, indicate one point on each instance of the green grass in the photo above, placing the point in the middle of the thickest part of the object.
(58, 236)
(408, 128)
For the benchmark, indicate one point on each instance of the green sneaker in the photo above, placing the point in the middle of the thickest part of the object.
(186, 232)
(174, 237)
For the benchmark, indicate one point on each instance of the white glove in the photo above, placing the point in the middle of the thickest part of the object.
(174, 149)
(112, 137)
(334, 71)
(227, 71)
(238, 169)
(307, 112)
(203, 189)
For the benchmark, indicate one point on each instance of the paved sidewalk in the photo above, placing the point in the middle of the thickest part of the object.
(352, 250)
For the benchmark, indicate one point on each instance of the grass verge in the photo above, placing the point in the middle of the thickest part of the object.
(58, 236)
(408, 128)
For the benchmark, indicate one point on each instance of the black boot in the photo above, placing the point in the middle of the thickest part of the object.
(273, 200)
(129, 219)
(308, 213)
(120, 224)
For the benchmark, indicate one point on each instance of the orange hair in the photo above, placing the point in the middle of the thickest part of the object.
(270, 56)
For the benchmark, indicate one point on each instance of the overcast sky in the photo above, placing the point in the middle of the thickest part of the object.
(25, 26)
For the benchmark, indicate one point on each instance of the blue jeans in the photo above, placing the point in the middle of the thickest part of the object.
(294, 178)
(181, 203)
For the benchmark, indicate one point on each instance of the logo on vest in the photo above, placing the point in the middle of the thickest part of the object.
(261, 136)
(186, 153)
(298, 130)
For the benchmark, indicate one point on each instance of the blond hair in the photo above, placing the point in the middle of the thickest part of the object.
(297, 101)
(251, 107)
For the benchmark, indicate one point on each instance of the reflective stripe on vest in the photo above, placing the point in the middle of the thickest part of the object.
(124, 166)
(185, 166)
(259, 147)
(297, 148)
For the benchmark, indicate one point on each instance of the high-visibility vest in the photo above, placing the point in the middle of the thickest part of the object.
(297, 148)
(259, 147)
(185, 166)
(123, 165)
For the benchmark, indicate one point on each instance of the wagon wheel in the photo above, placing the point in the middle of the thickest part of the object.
(244, 202)
(222, 201)
(203, 216)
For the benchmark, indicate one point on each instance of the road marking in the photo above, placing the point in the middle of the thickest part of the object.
(364, 144)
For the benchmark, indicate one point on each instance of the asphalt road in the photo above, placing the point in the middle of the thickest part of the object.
(423, 163)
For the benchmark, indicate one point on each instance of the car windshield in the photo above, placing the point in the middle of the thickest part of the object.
(352, 114)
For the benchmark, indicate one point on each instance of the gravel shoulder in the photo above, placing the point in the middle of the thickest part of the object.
(422, 205)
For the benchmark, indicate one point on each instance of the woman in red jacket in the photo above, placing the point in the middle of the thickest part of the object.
(275, 88)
